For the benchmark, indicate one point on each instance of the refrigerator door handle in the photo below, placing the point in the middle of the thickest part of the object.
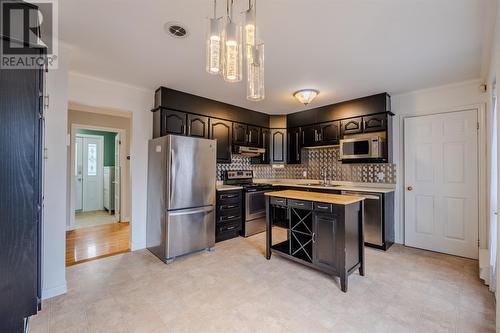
(192, 211)
(172, 178)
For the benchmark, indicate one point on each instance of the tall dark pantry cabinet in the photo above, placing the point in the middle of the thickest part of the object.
(21, 133)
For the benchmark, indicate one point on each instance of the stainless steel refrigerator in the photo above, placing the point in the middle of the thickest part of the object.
(181, 196)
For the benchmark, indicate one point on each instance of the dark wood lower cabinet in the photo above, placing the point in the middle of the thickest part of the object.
(324, 228)
(229, 215)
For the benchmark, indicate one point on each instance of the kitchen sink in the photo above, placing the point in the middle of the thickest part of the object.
(316, 184)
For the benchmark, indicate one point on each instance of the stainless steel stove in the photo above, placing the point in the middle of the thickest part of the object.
(254, 204)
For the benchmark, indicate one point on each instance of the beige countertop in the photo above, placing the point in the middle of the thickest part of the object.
(341, 186)
(228, 187)
(336, 199)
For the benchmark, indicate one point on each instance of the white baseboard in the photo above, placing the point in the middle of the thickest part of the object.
(137, 246)
(484, 266)
(53, 292)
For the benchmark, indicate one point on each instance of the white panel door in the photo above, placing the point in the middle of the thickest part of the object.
(92, 173)
(117, 178)
(441, 180)
(79, 173)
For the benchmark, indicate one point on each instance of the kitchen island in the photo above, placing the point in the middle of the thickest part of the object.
(324, 231)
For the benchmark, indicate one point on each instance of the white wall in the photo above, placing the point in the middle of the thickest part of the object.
(54, 213)
(110, 98)
(113, 96)
(494, 73)
(424, 102)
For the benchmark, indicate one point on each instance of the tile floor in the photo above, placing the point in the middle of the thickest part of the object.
(89, 219)
(235, 289)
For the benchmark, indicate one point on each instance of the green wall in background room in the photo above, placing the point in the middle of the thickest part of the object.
(109, 144)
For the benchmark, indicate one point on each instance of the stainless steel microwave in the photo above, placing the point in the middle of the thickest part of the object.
(362, 148)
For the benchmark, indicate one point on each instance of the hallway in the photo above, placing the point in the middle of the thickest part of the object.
(96, 242)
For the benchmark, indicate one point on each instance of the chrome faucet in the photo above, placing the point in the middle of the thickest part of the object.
(325, 177)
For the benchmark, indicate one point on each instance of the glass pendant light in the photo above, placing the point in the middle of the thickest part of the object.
(255, 56)
(250, 28)
(214, 44)
(255, 74)
(232, 61)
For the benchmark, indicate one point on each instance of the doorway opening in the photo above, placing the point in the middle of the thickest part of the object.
(99, 223)
(97, 192)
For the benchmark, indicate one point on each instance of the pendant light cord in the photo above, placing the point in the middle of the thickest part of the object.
(255, 22)
(232, 6)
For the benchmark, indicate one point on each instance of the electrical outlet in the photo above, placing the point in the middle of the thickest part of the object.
(304, 173)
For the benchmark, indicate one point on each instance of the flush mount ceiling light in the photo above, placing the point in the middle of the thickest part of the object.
(306, 96)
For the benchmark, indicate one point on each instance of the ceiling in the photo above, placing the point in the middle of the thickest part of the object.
(344, 48)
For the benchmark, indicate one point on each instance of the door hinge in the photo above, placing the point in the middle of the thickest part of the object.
(46, 101)
(477, 125)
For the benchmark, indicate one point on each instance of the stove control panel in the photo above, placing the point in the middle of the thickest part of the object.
(239, 174)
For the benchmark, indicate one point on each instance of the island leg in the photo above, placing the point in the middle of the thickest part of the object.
(269, 237)
(343, 281)
(362, 239)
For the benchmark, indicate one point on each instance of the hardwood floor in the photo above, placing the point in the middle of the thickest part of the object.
(96, 242)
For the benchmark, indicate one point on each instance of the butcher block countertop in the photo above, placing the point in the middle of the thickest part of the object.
(336, 199)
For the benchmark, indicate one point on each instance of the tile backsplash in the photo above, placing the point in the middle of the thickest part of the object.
(314, 162)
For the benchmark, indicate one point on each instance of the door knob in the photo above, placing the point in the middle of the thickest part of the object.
(410, 188)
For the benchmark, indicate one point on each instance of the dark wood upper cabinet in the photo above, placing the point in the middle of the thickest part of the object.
(375, 123)
(265, 135)
(278, 146)
(246, 135)
(239, 134)
(294, 145)
(365, 106)
(352, 126)
(253, 136)
(173, 122)
(329, 133)
(321, 134)
(222, 131)
(309, 136)
(197, 126)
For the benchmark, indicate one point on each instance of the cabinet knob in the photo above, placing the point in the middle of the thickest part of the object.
(410, 188)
